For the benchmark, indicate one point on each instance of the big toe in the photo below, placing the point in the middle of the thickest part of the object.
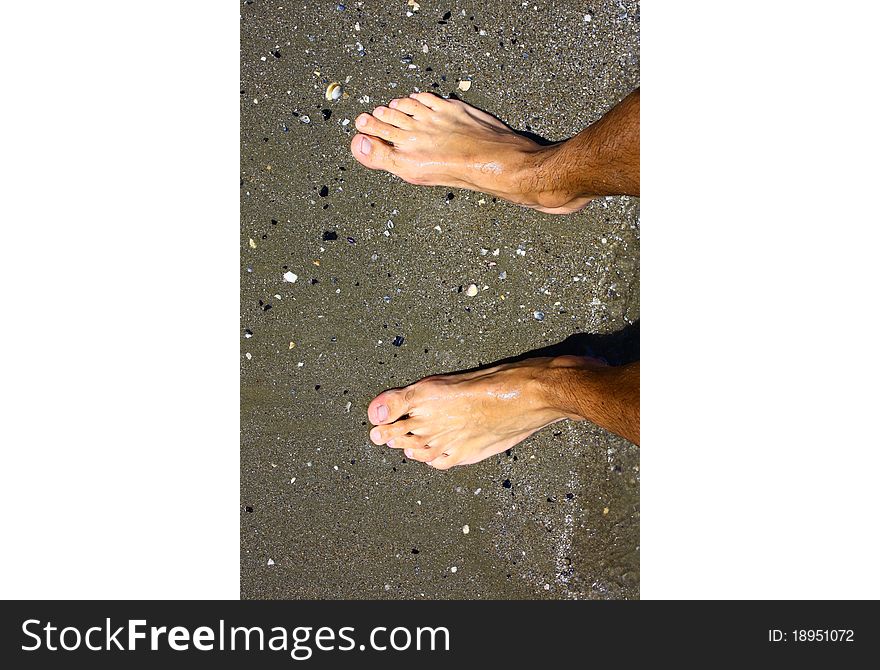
(388, 407)
(371, 151)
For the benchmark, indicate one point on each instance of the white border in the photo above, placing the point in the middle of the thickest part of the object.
(759, 280)
(120, 335)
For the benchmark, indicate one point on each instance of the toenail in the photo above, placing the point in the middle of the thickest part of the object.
(381, 410)
(378, 111)
(375, 435)
(362, 120)
(390, 443)
(366, 148)
(393, 103)
(408, 453)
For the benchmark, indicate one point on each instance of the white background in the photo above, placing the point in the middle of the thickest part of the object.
(120, 285)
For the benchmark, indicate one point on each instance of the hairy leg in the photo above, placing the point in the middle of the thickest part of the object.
(606, 395)
(601, 160)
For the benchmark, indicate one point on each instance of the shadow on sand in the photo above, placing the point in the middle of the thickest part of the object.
(617, 348)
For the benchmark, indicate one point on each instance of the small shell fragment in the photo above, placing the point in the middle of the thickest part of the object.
(289, 277)
(464, 85)
(472, 290)
(333, 92)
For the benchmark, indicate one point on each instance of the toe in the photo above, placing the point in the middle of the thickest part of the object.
(483, 116)
(394, 118)
(423, 454)
(388, 407)
(409, 106)
(430, 100)
(369, 124)
(372, 152)
(392, 432)
(409, 443)
(444, 461)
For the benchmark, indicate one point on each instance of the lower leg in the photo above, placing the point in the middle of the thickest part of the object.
(606, 395)
(601, 160)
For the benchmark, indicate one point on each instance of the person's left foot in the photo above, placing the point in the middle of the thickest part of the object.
(459, 419)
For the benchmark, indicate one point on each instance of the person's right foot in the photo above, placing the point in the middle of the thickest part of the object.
(431, 141)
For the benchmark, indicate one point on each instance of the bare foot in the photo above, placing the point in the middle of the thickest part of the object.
(464, 418)
(431, 141)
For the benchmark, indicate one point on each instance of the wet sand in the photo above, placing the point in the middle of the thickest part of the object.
(324, 512)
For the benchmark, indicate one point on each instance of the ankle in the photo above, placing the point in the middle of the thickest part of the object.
(585, 389)
(573, 385)
(551, 182)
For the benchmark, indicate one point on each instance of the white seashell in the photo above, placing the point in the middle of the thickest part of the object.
(464, 85)
(333, 92)
(472, 290)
